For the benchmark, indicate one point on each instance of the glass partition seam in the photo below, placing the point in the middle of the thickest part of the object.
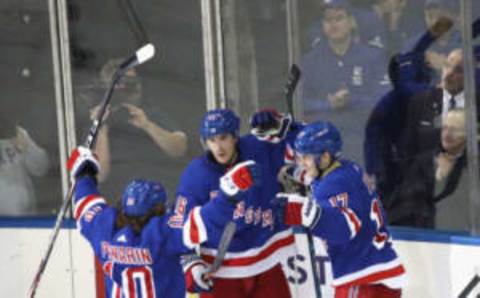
(293, 46)
(57, 76)
(66, 75)
(208, 54)
(220, 54)
(472, 139)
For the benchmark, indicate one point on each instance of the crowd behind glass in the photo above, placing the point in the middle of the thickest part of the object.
(387, 73)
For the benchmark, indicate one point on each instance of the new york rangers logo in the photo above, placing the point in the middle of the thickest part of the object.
(213, 117)
(130, 201)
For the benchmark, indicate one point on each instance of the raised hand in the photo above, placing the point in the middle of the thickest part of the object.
(270, 125)
(82, 162)
(138, 118)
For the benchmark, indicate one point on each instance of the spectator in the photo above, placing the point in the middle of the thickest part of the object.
(399, 18)
(412, 202)
(437, 53)
(383, 148)
(427, 109)
(20, 159)
(342, 77)
(136, 133)
(451, 188)
(385, 24)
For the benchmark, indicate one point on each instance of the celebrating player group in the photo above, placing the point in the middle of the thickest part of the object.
(282, 174)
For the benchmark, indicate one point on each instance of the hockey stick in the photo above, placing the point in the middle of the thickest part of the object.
(135, 25)
(225, 240)
(142, 55)
(293, 77)
(292, 81)
(469, 287)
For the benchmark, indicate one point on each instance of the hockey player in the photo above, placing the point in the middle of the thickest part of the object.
(344, 212)
(252, 266)
(138, 251)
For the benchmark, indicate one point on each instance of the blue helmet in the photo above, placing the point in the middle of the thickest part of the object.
(219, 121)
(141, 195)
(317, 138)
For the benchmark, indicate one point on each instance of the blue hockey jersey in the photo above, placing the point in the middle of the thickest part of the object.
(259, 242)
(353, 225)
(136, 265)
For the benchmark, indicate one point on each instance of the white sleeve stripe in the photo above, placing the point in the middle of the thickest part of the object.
(297, 199)
(201, 225)
(186, 233)
(352, 220)
(84, 204)
(194, 232)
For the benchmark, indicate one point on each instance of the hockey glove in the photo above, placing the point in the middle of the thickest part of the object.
(299, 210)
(82, 162)
(196, 274)
(270, 126)
(293, 179)
(240, 178)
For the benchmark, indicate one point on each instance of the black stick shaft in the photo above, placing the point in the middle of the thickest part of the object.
(89, 143)
(292, 82)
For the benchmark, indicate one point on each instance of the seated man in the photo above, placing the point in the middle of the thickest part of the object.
(343, 77)
(451, 182)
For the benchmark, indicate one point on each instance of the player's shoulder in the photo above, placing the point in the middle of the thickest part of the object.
(342, 168)
(249, 144)
(200, 164)
(154, 229)
(343, 175)
(198, 173)
(248, 140)
(346, 179)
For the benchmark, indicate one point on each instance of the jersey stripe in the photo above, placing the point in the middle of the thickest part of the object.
(253, 261)
(86, 203)
(194, 232)
(372, 274)
(354, 223)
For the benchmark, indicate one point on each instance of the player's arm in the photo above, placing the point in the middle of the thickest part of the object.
(277, 131)
(91, 212)
(412, 62)
(269, 125)
(204, 221)
(337, 224)
(334, 221)
(102, 145)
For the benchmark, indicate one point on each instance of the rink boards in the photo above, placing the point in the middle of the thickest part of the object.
(439, 264)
